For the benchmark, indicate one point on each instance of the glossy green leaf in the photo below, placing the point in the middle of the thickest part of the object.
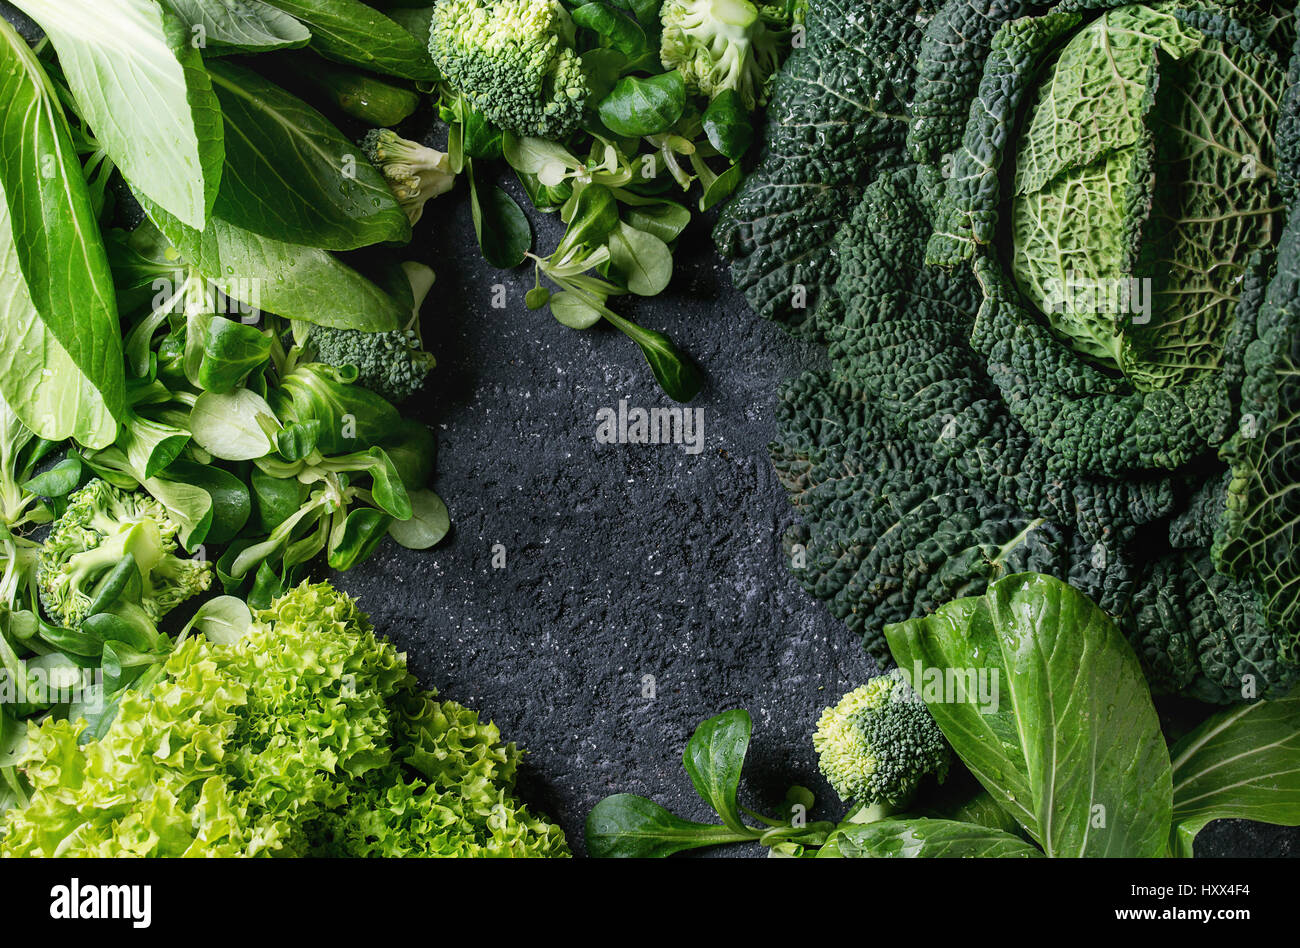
(980, 808)
(480, 138)
(107, 627)
(291, 280)
(720, 188)
(676, 374)
(352, 418)
(664, 219)
(618, 30)
(633, 827)
(356, 538)
(642, 260)
(296, 441)
(1071, 745)
(230, 351)
(924, 838)
(602, 66)
(591, 214)
(61, 368)
(428, 524)
(713, 760)
(231, 500)
(1243, 763)
(570, 309)
(727, 124)
(504, 234)
(351, 32)
(249, 26)
(118, 55)
(292, 176)
(387, 488)
(58, 481)
(223, 620)
(638, 107)
(226, 424)
(538, 297)
(274, 500)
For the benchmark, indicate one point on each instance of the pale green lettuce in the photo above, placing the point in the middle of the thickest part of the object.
(307, 736)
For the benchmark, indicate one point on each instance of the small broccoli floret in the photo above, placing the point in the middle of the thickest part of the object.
(415, 173)
(391, 364)
(99, 528)
(721, 44)
(878, 744)
(514, 61)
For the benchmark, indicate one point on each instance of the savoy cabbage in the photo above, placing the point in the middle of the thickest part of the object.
(1053, 253)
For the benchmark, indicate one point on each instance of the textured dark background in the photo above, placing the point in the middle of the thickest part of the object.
(622, 561)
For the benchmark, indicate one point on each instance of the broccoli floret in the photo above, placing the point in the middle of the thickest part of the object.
(100, 527)
(391, 364)
(721, 44)
(514, 61)
(878, 744)
(414, 173)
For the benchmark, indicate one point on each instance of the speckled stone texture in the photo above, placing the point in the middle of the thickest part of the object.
(622, 561)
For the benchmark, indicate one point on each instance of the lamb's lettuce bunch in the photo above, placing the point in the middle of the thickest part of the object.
(304, 736)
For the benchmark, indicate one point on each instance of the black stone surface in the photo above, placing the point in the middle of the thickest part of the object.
(621, 560)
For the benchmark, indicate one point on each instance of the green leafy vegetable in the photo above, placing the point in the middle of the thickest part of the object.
(780, 230)
(727, 125)
(961, 435)
(926, 838)
(637, 107)
(504, 234)
(114, 54)
(633, 827)
(291, 280)
(620, 31)
(713, 759)
(1073, 749)
(292, 176)
(1042, 698)
(351, 32)
(240, 26)
(428, 524)
(303, 735)
(60, 351)
(1200, 105)
(643, 260)
(1243, 763)
(629, 826)
(226, 425)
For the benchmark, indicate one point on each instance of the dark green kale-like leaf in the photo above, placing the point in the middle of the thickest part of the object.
(1260, 533)
(959, 434)
(838, 115)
